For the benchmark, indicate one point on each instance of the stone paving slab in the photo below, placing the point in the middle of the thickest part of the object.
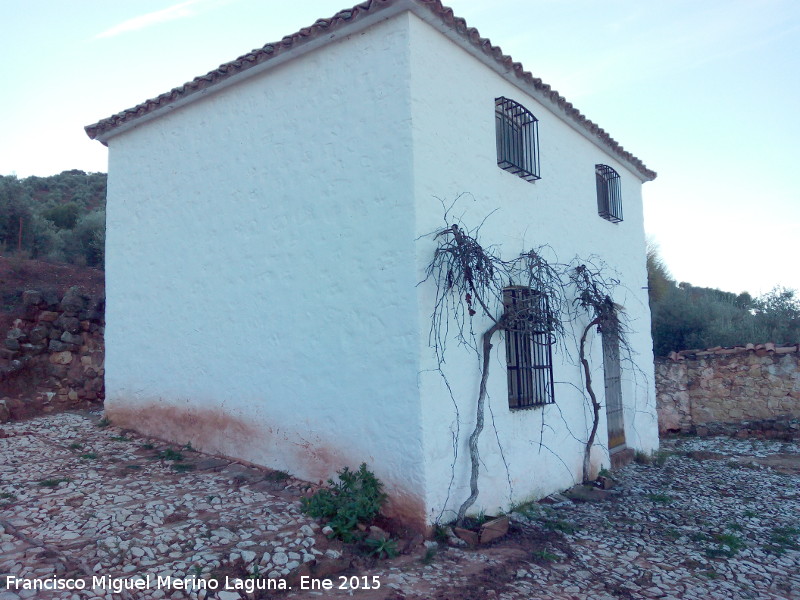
(708, 520)
(712, 518)
(79, 500)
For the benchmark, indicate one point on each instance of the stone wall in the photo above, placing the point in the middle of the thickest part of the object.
(53, 356)
(704, 390)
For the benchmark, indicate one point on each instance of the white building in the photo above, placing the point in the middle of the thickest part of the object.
(266, 238)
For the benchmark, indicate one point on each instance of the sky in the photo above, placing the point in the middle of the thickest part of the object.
(706, 93)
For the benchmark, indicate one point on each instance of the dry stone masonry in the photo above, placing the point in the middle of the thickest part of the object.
(752, 389)
(52, 358)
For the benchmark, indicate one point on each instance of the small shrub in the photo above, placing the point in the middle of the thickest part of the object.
(430, 554)
(75, 446)
(182, 467)
(89, 456)
(8, 496)
(121, 438)
(356, 498)
(104, 422)
(642, 458)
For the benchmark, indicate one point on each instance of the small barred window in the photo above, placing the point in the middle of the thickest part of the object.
(517, 133)
(529, 348)
(609, 196)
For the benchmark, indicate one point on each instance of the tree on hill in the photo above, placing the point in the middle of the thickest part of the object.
(59, 218)
(689, 317)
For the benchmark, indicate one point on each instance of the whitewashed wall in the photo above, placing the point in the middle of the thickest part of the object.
(454, 152)
(262, 272)
(260, 275)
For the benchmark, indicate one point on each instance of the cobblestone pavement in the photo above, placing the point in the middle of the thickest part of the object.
(710, 518)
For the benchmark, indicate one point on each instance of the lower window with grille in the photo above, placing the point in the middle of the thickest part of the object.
(529, 349)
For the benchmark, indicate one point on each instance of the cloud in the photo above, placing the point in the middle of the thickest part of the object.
(179, 11)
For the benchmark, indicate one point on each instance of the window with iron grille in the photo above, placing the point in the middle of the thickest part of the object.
(609, 197)
(529, 348)
(517, 133)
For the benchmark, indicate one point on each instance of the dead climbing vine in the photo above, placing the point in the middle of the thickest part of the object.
(594, 290)
(470, 280)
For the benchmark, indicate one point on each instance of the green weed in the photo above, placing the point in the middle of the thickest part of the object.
(672, 534)
(440, 534)
(382, 548)
(725, 544)
(170, 454)
(89, 456)
(277, 476)
(530, 510)
(782, 539)
(559, 525)
(51, 483)
(543, 556)
(660, 498)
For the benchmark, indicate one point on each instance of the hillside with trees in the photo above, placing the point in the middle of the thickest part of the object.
(690, 317)
(53, 228)
(60, 218)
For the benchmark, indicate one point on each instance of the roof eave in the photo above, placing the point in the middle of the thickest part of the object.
(353, 21)
(98, 132)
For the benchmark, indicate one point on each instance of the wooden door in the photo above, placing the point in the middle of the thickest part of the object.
(614, 415)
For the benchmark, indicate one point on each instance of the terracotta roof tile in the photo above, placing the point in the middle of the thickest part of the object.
(342, 19)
